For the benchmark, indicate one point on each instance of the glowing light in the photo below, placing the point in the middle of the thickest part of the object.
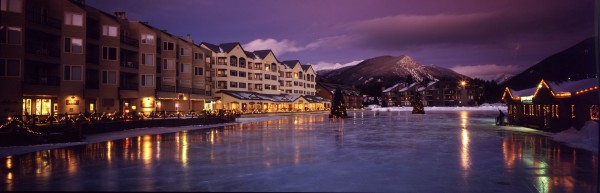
(463, 83)
(9, 162)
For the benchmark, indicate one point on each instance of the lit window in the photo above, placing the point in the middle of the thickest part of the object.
(10, 35)
(148, 59)
(147, 80)
(73, 19)
(74, 45)
(72, 72)
(109, 30)
(594, 112)
(147, 39)
(109, 77)
(10, 67)
(15, 6)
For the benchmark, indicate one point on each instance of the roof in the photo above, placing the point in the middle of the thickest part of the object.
(244, 95)
(392, 88)
(262, 53)
(524, 92)
(408, 87)
(250, 55)
(305, 67)
(212, 47)
(290, 63)
(573, 86)
(227, 47)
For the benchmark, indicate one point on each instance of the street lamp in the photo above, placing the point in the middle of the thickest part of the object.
(463, 83)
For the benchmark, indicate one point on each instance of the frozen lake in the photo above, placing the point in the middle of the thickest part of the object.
(454, 151)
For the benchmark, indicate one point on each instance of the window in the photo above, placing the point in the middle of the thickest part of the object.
(74, 19)
(273, 87)
(186, 68)
(15, 6)
(222, 84)
(300, 75)
(147, 39)
(267, 86)
(168, 46)
(198, 56)
(10, 35)
(267, 77)
(295, 83)
(184, 51)
(10, 67)
(273, 67)
(242, 85)
(242, 63)
(221, 73)
(109, 77)
(168, 64)
(74, 45)
(72, 72)
(233, 72)
(233, 61)
(109, 53)
(148, 59)
(221, 61)
(109, 30)
(242, 74)
(267, 67)
(233, 84)
(198, 71)
(147, 80)
(273, 77)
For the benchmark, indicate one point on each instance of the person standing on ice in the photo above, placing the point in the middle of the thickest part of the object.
(500, 118)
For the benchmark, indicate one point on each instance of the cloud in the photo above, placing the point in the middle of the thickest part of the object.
(328, 65)
(278, 47)
(487, 71)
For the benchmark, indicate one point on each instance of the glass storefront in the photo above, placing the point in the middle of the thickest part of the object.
(37, 106)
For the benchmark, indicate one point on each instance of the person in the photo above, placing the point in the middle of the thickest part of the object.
(500, 118)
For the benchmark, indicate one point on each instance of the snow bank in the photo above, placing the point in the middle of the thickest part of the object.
(477, 108)
(585, 138)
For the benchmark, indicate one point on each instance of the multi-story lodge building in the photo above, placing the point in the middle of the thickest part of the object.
(433, 93)
(67, 57)
(351, 94)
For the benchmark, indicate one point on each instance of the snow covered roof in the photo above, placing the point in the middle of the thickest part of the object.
(573, 86)
(408, 87)
(243, 95)
(392, 88)
(524, 92)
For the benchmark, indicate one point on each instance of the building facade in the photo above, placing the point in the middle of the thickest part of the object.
(352, 97)
(434, 93)
(553, 106)
(67, 57)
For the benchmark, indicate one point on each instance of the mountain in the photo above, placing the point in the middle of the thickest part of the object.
(576, 62)
(384, 71)
(501, 78)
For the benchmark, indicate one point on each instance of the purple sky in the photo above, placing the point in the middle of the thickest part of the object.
(479, 38)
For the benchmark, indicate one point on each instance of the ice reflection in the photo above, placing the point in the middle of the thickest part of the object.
(548, 168)
(465, 158)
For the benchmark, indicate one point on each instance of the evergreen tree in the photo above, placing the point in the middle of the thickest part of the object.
(376, 101)
(417, 104)
(383, 103)
(338, 106)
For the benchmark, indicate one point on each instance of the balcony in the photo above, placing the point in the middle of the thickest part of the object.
(128, 86)
(254, 78)
(129, 64)
(198, 91)
(38, 18)
(42, 80)
(221, 75)
(182, 89)
(166, 88)
(129, 41)
(42, 50)
(221, 87)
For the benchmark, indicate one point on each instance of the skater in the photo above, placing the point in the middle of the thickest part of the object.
(500, 118)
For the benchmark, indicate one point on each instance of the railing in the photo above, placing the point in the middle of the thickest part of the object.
(221, 75)
(128, 86)
(42, 51)
(43, 80)
(254, 78)
(129, 41)
(166, 88)
(36, 17)
(129, 64)
(184, 89)
(198, 91)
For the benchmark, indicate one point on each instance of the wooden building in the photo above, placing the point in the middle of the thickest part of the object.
(553, 106)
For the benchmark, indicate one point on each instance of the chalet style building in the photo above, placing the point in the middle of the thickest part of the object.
(64, 56)
(552, 106)
(434, 93)
(352, 97)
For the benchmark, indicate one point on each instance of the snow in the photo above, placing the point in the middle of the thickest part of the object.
(391, 88)
(573, 86)
(585, 138)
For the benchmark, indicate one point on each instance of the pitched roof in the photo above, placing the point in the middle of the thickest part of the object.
(227, 47)
(393, 87)
(573, 86)
(244, 95)
(262, 53)
(346, 90)
(305, 67)
(290, 63)
(250, 55)
(212, 47)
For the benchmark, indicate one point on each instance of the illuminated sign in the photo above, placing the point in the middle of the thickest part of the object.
(72, 102)
(527, 99)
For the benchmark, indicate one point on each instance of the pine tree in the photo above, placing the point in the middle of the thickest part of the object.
(417, 104)
(338, 106)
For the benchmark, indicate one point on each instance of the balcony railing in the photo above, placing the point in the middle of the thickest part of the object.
(198, 91)
(221, 87)
(129, 64)
(42, 51)
(43, 80)
(128, 86)
(166, 88)
(221, 75)
(37, 17)
(254, 78)
(129, 41)
(182, 89)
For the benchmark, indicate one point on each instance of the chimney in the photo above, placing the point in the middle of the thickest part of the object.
(121, 15)
(188, 38)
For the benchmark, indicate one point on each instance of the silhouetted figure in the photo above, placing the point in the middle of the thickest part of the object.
(500, 118)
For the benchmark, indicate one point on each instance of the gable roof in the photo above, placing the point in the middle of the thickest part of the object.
(227, 47)
(291, 63)
(563, 89)
(250, 55)
(211, 47)
(262, 53)
(305, 67)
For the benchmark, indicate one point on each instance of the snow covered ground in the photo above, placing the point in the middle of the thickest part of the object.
(585, 138)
